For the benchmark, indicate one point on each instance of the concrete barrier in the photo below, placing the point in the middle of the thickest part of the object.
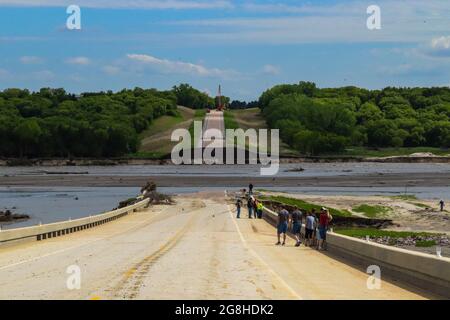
(425, 271)
(57, 229)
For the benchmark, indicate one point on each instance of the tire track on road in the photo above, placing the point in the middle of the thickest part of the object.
(129, 286)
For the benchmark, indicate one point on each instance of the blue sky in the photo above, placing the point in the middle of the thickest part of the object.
(247, 46)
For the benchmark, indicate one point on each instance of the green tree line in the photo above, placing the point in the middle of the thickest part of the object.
(318, 121)
(192, 98)
(237, 104)
(54, 123)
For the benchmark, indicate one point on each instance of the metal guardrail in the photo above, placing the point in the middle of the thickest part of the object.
(57, 229)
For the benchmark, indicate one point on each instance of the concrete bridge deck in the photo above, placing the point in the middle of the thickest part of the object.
(193, 250)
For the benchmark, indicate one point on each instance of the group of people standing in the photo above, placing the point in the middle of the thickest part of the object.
(315, 227)
(310, 226)
(254, 207)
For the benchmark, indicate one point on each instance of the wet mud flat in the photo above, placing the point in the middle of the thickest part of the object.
(422, 179)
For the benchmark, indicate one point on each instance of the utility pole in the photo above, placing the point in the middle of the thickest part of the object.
(219, 99)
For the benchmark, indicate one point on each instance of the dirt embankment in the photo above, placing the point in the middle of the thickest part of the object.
(166, 160)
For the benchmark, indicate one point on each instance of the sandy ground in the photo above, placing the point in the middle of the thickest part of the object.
(193, 250)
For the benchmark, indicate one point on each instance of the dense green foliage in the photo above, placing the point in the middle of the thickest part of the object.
(53, 123)
(190, 97)
(316, 121)
(236, 104)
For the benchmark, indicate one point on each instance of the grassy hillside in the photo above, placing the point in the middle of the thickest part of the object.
(252, 119)
(156, 140)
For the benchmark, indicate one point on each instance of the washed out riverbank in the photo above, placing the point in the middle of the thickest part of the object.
(49, 194)
(167, 160)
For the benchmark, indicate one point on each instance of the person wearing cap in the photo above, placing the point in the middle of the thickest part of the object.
(324, 221)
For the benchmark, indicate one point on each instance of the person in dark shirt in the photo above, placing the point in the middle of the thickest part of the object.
(238, 208)
(442, 205)
(250, 189)
(283, 217)
(250, 207)
(296, 219)
(310, 225)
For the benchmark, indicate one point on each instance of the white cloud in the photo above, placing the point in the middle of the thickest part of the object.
(442, 43)
(111, 70)
(30, 60)
(439, 47)
(271, 69)
(305, 9)
(281, 23)
(179, 67)
(141, 4)
(82, 61)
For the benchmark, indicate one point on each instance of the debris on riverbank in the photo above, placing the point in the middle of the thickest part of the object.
(417, 241)
(424, 242)
(166, 160)
(149, 192)
(396, 238)
(65, 172)
(297, 169)
(8, 216)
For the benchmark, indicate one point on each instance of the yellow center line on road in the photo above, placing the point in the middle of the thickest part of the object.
(253, 252)
(77, 246)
